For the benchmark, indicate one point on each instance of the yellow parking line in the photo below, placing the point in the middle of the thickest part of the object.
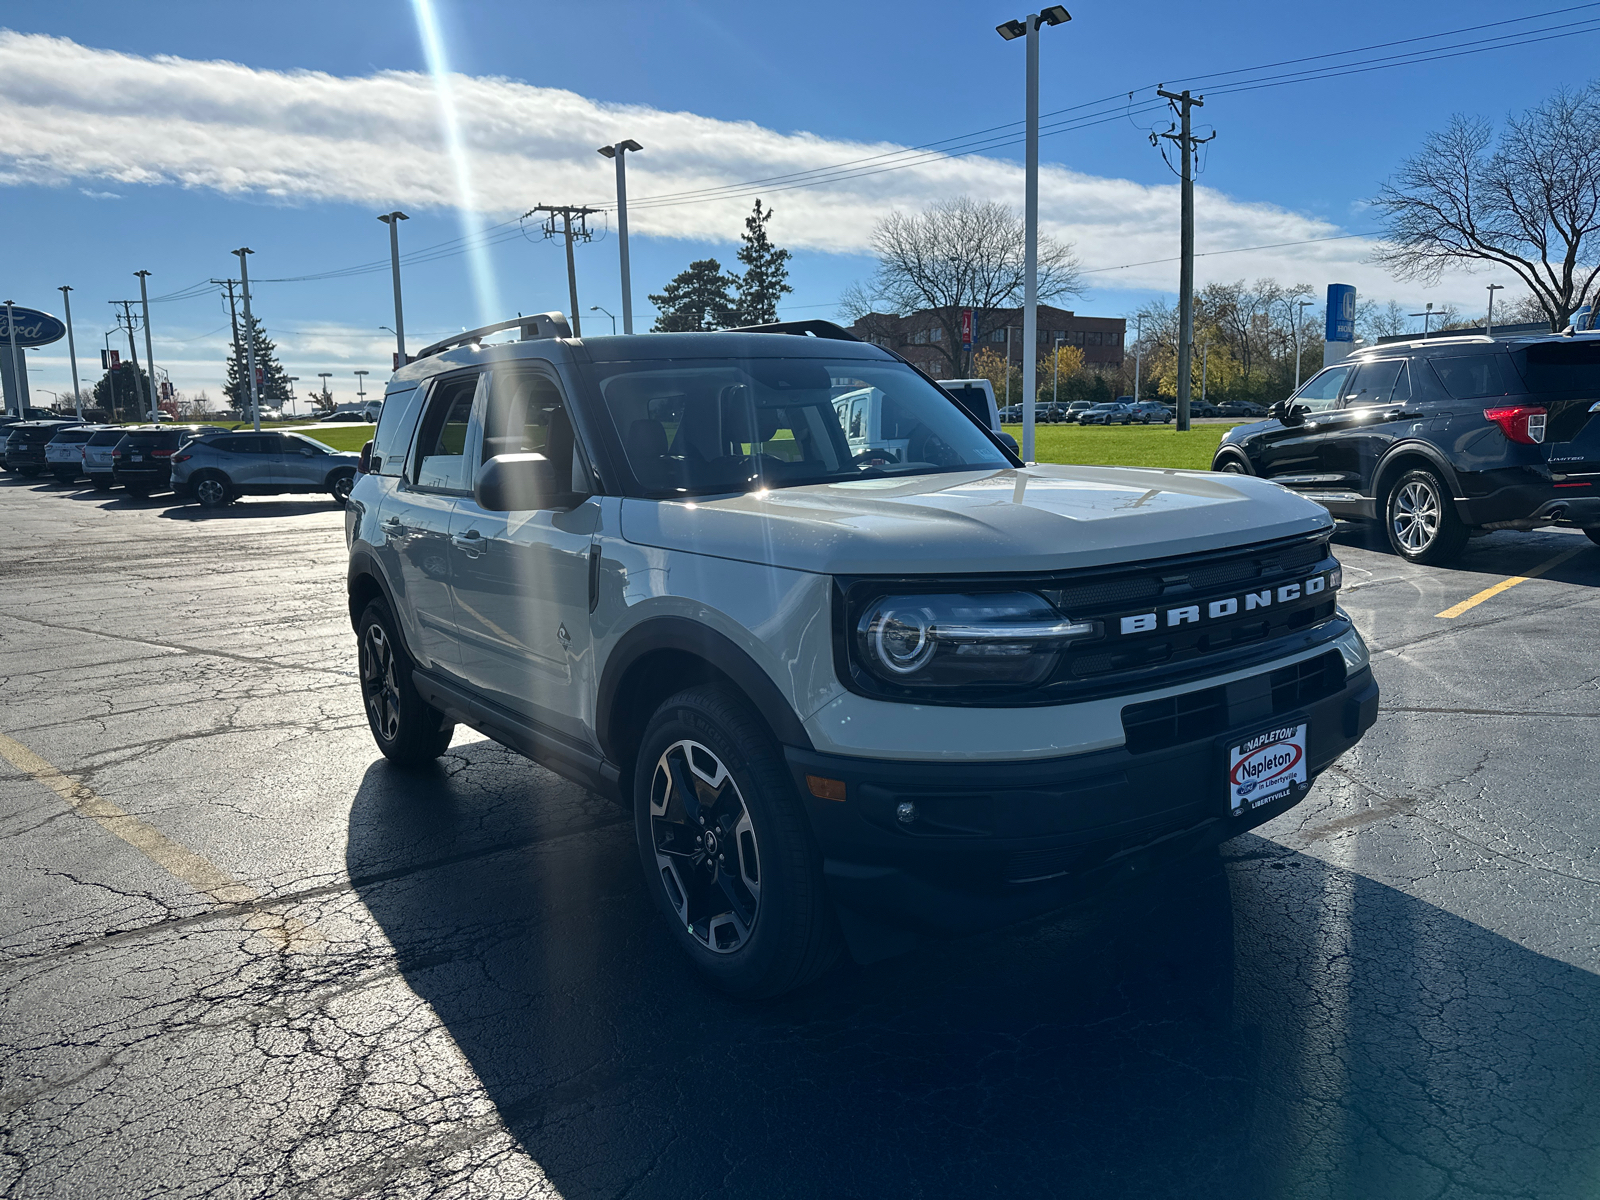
(286, 933)
(1507, 584)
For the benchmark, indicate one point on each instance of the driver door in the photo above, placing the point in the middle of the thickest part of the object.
(1291, 451)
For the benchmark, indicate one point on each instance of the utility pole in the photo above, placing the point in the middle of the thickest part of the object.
(392, 220)
(233, 317)
(126, 321)
(1493, 288)
(1187, 143)
(249, 335)
(616, 152)
(72, 349)
(149, 353)
(580, 232)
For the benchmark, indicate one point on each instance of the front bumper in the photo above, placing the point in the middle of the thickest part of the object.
(994, 843)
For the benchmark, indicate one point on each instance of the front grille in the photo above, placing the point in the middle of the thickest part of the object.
(1190, 716)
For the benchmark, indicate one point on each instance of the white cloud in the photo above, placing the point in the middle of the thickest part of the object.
(94, 195)
(79, 115)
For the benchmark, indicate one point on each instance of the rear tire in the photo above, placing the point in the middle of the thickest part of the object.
(212, 491)
(755, 919)
(1421, 521)
(409, 731)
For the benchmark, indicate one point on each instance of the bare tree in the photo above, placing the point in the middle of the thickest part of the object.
(958, 254)
(1531, 203)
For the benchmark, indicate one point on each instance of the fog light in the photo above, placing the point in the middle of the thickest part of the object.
(905, 812)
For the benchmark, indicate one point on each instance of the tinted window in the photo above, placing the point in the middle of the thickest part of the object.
(526, 414)
(1323, 391)
(442, 440)
(1561, 367)
(1470, 376)
(71, 437)
(1375, 382)
(108, 437)
(727, 425)
(973, 400)
(294, 443)
(392, 438)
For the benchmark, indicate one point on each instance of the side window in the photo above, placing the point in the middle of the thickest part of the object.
(1375, 383)
(1324, 390)
(441, 455)
(396, 422)
(1468, 377)
(527, 414)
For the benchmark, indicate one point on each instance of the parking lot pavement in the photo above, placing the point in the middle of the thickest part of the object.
(241, 956)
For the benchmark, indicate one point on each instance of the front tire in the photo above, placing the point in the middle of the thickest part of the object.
(409, 731)
(341, 487)
(727, 849)
(1421, 521)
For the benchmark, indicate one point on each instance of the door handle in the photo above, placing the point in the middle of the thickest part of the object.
(472, 542)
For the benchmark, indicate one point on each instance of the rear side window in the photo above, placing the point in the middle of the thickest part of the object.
(396, 422)
(1556, 367)
(1471, 376)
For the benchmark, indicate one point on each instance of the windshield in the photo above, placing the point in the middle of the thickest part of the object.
(715, 425)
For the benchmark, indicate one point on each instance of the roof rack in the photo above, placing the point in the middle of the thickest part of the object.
(538, 325)
(814, 328)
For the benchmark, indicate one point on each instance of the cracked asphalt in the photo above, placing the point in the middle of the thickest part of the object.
(363, 983)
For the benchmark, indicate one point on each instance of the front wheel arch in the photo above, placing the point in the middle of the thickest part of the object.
(1237, 458)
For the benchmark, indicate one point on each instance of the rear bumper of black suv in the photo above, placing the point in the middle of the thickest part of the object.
(1528, 494)
(996, 842)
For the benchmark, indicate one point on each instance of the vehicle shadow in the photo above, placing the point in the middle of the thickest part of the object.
(248, 509)
(1259, 1025)
(1497, 555)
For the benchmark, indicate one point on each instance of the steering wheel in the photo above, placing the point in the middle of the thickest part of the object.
(934, 449)
(876, 456)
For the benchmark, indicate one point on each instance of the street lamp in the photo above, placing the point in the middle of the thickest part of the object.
(325, 376)
(361, 386)
(291, 380)
(72, 349)
(608, 312)
(617, 154)
(1299, 314)
(1493, 288)
(1055, 388)
(392, 220)
(1028, 27)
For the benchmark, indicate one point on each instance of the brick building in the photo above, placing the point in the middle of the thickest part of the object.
(924, 336)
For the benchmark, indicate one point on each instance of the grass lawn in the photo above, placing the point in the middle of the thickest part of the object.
(339, 436)
(1125, 445)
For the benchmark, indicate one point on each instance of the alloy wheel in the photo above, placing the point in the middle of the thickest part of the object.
(1415, 514)
(342, 487)
(705, 846)
(211, 492)
(379, 686)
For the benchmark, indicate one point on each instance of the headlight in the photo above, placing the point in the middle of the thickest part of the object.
(951, 640)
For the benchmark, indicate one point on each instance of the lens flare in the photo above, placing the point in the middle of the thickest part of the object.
(484, 286)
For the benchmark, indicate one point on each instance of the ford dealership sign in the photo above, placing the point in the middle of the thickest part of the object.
(34, 328)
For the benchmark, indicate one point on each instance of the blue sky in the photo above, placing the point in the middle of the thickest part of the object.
(118, 163)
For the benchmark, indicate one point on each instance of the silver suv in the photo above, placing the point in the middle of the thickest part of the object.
(217, 468)
(859, 675)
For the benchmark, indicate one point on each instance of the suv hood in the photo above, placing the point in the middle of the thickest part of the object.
(1042, 518)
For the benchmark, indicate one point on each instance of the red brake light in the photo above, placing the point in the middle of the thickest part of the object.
(116, 454)
(178, 458)
(1521, 422)
(162, 453)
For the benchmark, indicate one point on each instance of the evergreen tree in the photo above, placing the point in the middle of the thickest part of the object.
(696, 300)
(766, 271)
(274, 382)
(128, 397)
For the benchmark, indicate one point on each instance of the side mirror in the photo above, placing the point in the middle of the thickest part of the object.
(1288, 412)
(1011, 444)
(521, 482)
(365, 465)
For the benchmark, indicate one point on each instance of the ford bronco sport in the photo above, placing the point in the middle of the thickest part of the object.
(856, 686)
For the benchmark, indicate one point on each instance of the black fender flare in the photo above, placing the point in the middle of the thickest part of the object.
(713, 648)
(1232, 450)
(1418, 449)
(363, 565)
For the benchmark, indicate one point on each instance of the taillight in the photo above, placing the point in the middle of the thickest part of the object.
(1520, 422)
(162, 453)
(178, 458)
(116, 454)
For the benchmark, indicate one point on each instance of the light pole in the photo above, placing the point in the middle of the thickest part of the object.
(608, 312)
(392, 220)
(617, 153)
(149, 353)
(1205, 352)
(1493, 288)
(291, 380)
(1028, 27)
(361, 387)
(325, 376)
(1426, 314)
(1138, 349)
(1298, 314)
(111, 375)
(1055, 387)
(72, 349)
(249, 336)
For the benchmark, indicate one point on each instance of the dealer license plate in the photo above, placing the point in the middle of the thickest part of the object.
(1266, 767)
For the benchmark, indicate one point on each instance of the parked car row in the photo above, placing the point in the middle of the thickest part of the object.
(210, 466)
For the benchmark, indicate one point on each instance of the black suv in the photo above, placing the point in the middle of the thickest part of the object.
(25, 445)
(1440, 438)
(142, 461)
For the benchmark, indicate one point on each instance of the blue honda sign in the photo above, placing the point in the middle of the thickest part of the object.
(1341, 313)
(34, 328)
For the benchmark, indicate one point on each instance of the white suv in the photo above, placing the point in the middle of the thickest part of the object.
(856, 686)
